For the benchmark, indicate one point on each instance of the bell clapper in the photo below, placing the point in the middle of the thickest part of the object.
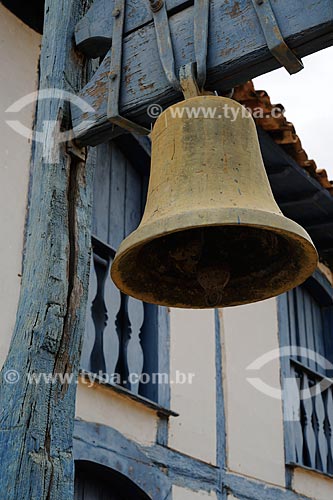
(213, 279)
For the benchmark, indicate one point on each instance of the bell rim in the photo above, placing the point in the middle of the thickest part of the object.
(278, 224)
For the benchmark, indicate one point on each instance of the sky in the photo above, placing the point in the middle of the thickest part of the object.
(308, 100)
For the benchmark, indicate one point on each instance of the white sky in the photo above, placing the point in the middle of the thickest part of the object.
(308, 100)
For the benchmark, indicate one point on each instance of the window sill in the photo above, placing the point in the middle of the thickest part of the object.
(160, 410)
(310, 469)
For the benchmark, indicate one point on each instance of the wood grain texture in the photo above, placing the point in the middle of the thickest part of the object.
(93, 33)
(237, 51)
(36, 420)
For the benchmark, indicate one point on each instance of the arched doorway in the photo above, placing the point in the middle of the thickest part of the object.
(97, 482)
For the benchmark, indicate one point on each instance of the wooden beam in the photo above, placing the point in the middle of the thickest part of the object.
(37, 415)
(237, 52)
(93, 34)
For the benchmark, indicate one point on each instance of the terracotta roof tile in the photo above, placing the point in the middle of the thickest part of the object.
(271, 119)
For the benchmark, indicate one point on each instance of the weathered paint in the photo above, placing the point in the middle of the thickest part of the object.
(106, 446)
(19, 53)
(103, 406)
(36, 420)
(192, 351)
(252, 419)
(237, 52)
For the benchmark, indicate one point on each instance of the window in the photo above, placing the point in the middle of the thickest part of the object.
(124, 336)
(306, 330)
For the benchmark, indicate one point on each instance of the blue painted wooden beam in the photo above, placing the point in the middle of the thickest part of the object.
(93, 33)
(161, 467)
(237, 52)
(37, 418)
(247, 489)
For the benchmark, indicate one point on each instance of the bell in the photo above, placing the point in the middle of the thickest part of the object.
(212, 234)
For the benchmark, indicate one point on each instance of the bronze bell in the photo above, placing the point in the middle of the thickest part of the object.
(212, 234)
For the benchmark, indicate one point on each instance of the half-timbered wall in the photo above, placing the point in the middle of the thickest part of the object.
(254, 424)
(254, 427)
(19, 53)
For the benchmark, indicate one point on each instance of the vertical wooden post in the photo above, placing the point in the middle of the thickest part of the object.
(36, 419)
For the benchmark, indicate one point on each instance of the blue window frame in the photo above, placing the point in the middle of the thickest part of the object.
(126, 340)
(306, 330)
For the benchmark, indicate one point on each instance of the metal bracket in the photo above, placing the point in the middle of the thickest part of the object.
(164, 43)
(115, 73)
(201, 31)
(274, 38)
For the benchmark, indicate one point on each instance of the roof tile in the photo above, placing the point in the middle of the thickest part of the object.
(271, 119)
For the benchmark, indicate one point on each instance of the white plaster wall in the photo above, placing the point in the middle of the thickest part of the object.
(185, 494)
(254, 425)
(101, 405)
(312, 485)
(192, 351)
(19, 52)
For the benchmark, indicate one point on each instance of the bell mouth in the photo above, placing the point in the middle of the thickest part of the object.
(215, 266)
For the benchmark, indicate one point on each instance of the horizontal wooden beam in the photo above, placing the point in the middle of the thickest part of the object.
(237, 52)
(93, 34)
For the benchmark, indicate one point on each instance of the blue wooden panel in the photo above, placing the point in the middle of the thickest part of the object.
(308, 336)
(108, 447)
(117, 198)
(133, 199)
(305, 316)
(120, 340)
(102, 191)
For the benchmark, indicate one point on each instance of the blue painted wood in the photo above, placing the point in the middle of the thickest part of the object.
(293, 442)
(220, 410)
(106, 446)
(119, 198)
(307, 336)
(133, 200)
(145, 464)
(116, 214)
(36, 420)
(93, 34)
(313, 205)
(102, 192)
(244, 488)
(90, 327)
(319, 286)
(240, 54)
(312, 319)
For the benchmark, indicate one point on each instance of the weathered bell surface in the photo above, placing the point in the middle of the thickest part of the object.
(212, 234)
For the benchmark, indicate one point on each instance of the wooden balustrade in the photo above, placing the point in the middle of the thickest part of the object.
(310, 395)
